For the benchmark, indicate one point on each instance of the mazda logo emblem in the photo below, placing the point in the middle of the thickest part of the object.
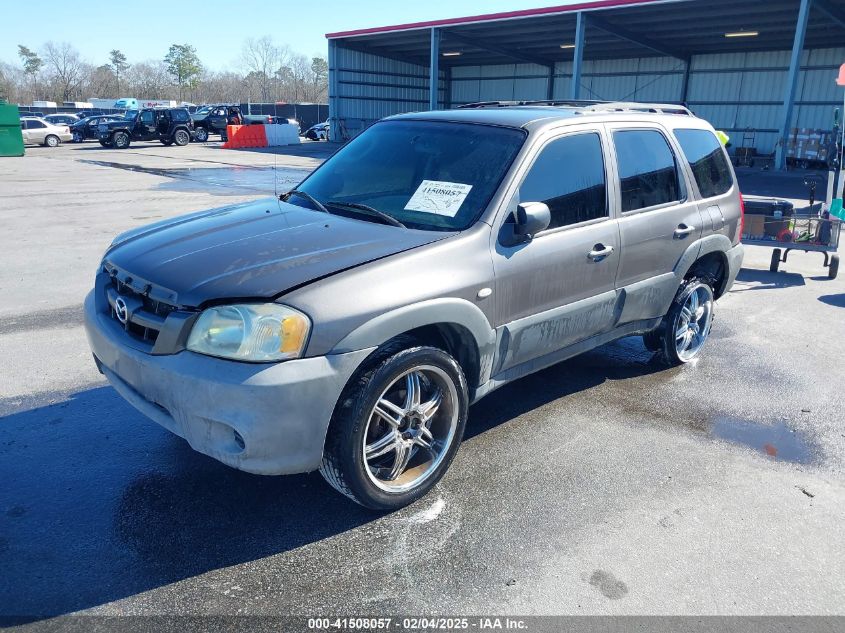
(121, 310)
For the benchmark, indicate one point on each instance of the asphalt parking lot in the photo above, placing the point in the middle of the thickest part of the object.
(604, 485)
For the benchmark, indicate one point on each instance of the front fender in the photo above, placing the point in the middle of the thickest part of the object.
(432, 312)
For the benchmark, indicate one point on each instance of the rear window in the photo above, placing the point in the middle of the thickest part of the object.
(647, 169)
(707, 159)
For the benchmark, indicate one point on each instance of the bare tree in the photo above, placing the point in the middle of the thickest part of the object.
(65, 68)
(149, 80)
(262, 60)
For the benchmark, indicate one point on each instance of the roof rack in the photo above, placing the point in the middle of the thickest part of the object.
(590, 106)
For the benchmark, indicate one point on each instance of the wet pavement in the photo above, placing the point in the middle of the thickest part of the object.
(608, 484)
(231, 181)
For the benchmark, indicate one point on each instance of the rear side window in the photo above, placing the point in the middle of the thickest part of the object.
(707, 159)
(647, 169)
(569, 177)
(179, 115)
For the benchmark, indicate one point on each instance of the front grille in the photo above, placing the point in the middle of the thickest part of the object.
(144, 316)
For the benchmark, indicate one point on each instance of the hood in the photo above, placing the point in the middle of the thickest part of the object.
(256, 250)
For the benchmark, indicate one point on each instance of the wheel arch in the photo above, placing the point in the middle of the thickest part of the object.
(707, 257)
(454, 325)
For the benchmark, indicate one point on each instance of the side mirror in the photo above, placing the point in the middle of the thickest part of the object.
(531, 218)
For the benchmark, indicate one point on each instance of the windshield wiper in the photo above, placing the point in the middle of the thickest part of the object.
(302, 194)
(367, 209)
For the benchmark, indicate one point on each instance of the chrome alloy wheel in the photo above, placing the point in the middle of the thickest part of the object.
(410, 429)
(694, 322)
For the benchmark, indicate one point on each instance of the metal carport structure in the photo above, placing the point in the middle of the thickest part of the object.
(764, 65)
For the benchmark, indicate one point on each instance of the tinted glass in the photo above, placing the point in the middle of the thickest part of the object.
(426, 174)
(707, 159)
(180, 115)
(148, 116)
(646, 168)
(34, 125)
(569, 177)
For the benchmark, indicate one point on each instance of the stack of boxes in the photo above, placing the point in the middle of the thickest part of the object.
(806, 144)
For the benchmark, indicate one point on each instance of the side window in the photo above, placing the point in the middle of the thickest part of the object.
(180, 115)
(647, 169)
(34, 125)
(569, 177)
(148, 117)
(707, 159)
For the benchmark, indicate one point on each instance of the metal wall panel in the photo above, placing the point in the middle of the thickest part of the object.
(734, 91)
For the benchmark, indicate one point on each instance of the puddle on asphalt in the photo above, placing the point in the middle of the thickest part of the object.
(775, 440)
(221, 181)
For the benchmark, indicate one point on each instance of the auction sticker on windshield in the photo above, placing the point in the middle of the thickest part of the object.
(440, 198)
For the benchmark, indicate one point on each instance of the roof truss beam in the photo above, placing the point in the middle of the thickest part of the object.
(498, 50)
(625, 34)
(833, 13)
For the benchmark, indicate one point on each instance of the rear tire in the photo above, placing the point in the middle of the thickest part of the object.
(396, 427)
(52, 141)
(775, 263)
(833, 268)
(686, 326)
(181, 137)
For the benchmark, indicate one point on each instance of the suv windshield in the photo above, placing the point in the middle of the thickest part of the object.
(428, 175)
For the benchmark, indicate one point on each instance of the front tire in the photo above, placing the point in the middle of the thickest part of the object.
(201, 135)
(396, 428)
(120, 140)
(686, 327)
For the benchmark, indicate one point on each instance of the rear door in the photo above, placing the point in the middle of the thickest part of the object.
(559, 288)
(658, 218)
(37, 131)
(713, 177)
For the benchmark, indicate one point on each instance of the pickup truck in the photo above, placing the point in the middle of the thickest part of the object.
(213, 119)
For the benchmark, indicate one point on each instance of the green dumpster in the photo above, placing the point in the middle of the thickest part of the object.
(11, 138)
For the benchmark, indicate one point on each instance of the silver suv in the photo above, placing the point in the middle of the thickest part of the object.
(347, 326)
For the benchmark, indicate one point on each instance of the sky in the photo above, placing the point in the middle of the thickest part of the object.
(217, 28)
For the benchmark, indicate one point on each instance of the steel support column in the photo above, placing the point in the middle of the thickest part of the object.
(334, 128)
(578, 60)
(434, 71)
(685, 85)
(792, 83)
(550, 87)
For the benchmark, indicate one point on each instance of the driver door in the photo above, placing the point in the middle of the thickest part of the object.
(559, 288)
(145, 129)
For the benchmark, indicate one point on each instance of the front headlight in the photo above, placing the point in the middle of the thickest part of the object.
(250, 332)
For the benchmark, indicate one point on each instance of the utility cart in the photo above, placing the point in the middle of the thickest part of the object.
(772, 222)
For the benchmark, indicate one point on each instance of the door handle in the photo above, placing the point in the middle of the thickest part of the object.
(683, 231)
(600, 252)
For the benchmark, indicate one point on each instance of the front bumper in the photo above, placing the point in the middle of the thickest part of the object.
(280, 412)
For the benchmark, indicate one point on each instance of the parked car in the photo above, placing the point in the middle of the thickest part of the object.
(347, 326)
(168, 125)
(37, 115)
(61, 119)
(37, 131)
(213, 119)
(88, 128)
(319, 132)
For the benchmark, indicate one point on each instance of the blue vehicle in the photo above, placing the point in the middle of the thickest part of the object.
(126, 104)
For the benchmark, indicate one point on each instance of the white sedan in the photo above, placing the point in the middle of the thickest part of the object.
(40, 132)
